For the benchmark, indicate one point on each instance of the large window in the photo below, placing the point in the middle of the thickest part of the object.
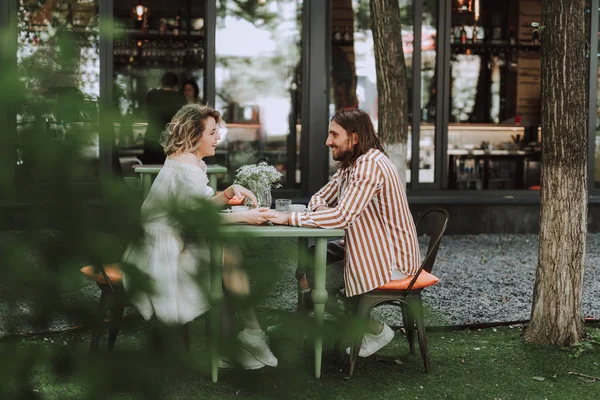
(158, 66)
(494, 112)
(354, 78)
(353, 81)
(258, 85)
(58, 66)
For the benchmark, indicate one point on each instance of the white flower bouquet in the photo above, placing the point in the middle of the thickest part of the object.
(262, 174)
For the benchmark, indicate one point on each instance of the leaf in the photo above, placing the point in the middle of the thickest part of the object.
(539, 378)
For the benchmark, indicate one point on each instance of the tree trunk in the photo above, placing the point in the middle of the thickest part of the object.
(556, 313)
(391, 80)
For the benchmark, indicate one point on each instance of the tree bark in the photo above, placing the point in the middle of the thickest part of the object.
(391, 80)
(556, 313)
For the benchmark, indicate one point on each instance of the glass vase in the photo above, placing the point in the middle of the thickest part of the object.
(262, 193)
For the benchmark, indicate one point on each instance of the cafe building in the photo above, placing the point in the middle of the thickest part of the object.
(277, 70)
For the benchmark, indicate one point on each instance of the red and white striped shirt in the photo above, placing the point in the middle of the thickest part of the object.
(368, 200)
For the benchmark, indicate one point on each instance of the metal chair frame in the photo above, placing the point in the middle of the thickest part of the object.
(409, 299)
(112, 302)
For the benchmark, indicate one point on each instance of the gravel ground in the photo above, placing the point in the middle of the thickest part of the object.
(483, 279)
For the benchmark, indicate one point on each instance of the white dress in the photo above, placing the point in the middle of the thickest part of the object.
(172, 264)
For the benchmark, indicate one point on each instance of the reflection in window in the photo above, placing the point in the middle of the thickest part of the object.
(158, 66)
(353, 80)
(58, 66)
(428, 92)
(494, 113)
(258, 78)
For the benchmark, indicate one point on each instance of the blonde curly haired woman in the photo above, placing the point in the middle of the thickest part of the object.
(173, 263)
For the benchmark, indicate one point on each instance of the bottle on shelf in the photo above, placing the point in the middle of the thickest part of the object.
(456, 34)
(69, 18)
(348, 35)
(535, 39)
(337, 35)
(176, 25)
(475, 37)
(512, 40)
(463, 35)
(145, 23)
(497, 29)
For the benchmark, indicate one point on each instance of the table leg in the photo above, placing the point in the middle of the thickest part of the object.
(212, 181)
(216, 297)
(303, 264)
(319, 296)
(146, 184)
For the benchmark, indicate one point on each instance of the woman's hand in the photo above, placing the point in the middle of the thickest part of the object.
(240, 191)
(279, 218)
(257, 216)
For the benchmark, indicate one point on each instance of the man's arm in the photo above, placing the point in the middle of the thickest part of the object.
(326, 196)
(365, 182)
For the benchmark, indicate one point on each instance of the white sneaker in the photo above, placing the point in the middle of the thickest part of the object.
(373, 343)
(243, 359)
(253, 344)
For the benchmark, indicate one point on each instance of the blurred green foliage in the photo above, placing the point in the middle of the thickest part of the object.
(71, 212)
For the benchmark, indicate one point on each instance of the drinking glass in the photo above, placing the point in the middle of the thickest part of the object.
(283, 205)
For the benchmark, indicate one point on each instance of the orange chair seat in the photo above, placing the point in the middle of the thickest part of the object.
(424, 280)
(112, 270)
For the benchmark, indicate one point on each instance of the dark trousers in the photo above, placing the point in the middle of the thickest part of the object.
(335, 267)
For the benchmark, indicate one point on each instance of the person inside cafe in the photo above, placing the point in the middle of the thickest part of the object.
(366, 198)
(191, 91)
(172, 262)
(161, 106)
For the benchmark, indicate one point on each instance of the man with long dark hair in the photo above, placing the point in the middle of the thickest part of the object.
(366, 198)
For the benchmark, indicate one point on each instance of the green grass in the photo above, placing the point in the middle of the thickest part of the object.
(485, 364)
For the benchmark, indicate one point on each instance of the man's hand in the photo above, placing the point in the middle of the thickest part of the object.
(256, 216)
(279, 218)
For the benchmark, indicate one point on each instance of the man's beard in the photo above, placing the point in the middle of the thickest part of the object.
(344, 158)
(342, 154)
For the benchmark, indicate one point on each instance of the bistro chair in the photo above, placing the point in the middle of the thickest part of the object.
(406, 292)
(109, 279)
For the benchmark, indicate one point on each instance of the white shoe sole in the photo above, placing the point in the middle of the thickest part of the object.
(228, 365)
(248, 353)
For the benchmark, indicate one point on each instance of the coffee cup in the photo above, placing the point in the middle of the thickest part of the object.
(297, 207)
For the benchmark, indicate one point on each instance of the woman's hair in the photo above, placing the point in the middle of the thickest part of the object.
(358, 121)
(186, 127)
(194, 85)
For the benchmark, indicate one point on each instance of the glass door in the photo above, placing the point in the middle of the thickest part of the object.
(258, 86)
(158, 66)
(354, 78)
(58, 67)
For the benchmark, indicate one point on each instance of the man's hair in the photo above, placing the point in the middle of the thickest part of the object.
(358, 121)
(169, 79)
(186, 127)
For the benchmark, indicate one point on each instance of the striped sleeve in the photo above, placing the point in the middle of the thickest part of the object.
(327, 195)
(364, 183)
